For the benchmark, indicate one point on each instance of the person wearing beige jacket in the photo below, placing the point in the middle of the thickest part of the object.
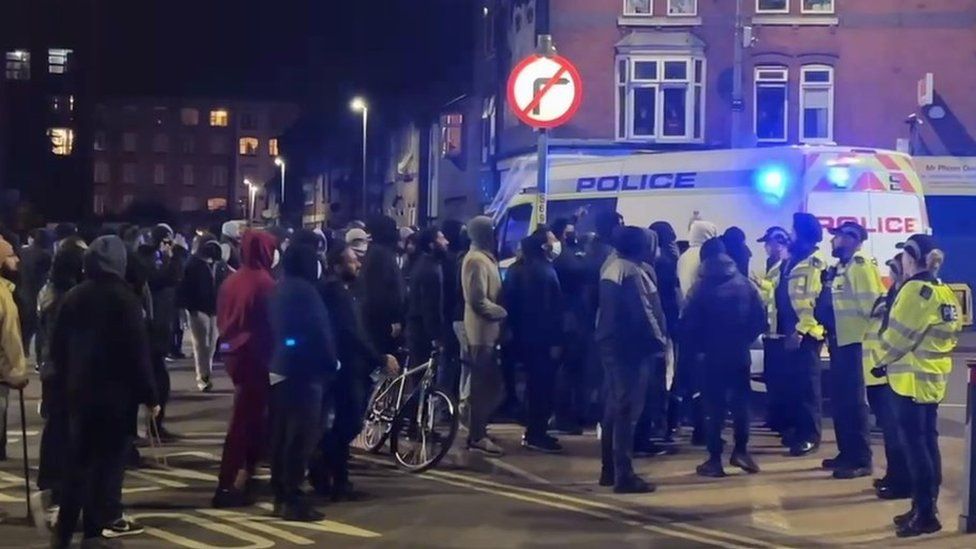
(481, 285)
(13, 363)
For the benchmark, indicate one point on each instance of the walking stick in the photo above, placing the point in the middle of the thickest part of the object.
(23, 443)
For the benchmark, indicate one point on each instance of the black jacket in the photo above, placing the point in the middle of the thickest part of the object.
(572, 271)
(534, 301)
(425, 299)
(164, 275)
(353, 348)
(100, 347)
(304, 346)
(724, 314)
(630, 321)
(198, 289)
(382, 292)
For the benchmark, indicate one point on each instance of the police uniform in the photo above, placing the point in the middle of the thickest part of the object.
(916, 354)
(773, 375)
(854, 289)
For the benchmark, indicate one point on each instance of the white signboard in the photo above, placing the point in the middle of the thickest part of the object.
(545, 92)
(947, 175)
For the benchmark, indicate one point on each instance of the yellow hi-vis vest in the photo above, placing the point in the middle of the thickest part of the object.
(804, 286)
(871, 350)
(855, 290)
(923, 330)
(767, 291)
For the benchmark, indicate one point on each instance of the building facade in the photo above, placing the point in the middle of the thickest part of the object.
(189, 155)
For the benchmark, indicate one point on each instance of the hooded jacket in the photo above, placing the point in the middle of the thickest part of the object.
(99, 344)
(699, 232)
(13, 363)
(724, 313)
(481, 285)
(243, 316)
(666, 267)
(198, 289)
(381, 287)
(533, 298)
(425, 307)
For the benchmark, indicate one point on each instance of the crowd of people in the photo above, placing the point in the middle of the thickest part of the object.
(626, 329)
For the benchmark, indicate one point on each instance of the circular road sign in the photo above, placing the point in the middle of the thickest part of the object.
(545, 92)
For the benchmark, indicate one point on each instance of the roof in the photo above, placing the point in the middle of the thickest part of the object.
(655, 40)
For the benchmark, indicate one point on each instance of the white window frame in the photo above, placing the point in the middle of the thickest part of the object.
(17, 65)
(831, 11)
(58, 60)
(628, 13)
(768, 11)
(770, 82)
(817, 86)
(694, 11)
(659, 84)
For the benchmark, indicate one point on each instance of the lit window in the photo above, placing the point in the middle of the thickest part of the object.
(683, 8)
(161, 143)
(817, 104)
(188, 204)
(129, 142)
(772, 6)
(188, 175)
(218, 145)
(98, 204)
(817, 6)
(771, 100)
(452, 135)
(159, 174)
(248, 121)
(102, 174)
(488, 120)
(189, 117)
(58, 60)
(638, 7)
(220, 176)
(129, 173)
(273, 147)
(215, 204)
(100, 142)
(62, 104)
(62, 140)
(188, 145)
(660, 99)
(18, 65)
(219, 118)
(249, 146)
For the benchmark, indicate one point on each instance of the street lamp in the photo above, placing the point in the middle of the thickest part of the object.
(359, 105)
(280, 162)
(252, 191)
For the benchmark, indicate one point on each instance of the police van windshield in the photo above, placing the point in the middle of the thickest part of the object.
(513, 227)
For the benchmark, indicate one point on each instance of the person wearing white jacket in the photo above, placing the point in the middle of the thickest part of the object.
(698, 233)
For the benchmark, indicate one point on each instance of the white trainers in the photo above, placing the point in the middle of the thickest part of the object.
(122, 527)
(486, 447)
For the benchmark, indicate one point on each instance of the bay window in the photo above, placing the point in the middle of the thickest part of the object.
(660, 98)
(771, 101)
(816, 104)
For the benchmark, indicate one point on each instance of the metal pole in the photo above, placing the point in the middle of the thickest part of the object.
(737, 100)
(23, 443)
(365, 117)
(545, 47)
(282, 213)
(967, 519)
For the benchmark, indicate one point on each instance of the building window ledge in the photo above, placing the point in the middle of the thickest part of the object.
(651, 21)
(794, 21)
(661, 141)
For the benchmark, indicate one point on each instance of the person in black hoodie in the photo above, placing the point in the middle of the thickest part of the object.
(302, 370)
(724, 315)
(381, 287)
(577, 331)
(449, 370)
(669, 287)
(100, 349)
(359, 359)
(425, 299)
(198, 295)
(534, 301)
(35, 265)
(164, 273)
(734, 240)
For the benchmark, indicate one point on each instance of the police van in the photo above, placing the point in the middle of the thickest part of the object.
(752, 189)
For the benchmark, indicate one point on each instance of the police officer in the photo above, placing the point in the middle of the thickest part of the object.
(794, 298)
(776, 242)
(922, 332)
(855, 287)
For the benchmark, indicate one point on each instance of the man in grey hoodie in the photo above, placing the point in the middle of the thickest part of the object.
(481, 287)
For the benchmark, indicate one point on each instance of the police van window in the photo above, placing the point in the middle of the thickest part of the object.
(512, 229)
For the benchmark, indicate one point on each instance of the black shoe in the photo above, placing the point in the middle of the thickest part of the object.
(903, 518)
(847, 473)
(833, 463)
(744, 461)
(565, 428)
(606, 477)
(879, 482)
(300, 512)
(634, 485)
(229, 499)
(888, 492)
(649, 449)
(712, 468)
(546, 445)
(803, 449)
(918, 526)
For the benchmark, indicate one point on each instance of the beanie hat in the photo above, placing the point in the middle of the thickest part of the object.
(807, 228)
(712, 248)
(106, 255)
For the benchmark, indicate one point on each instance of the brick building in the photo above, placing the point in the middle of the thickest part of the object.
(189, 155)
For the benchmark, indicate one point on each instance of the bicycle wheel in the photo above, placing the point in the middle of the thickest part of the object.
(379, 417)
(421, 438)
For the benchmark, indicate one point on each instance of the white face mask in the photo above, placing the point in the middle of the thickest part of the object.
(555, 249)
(275, 259)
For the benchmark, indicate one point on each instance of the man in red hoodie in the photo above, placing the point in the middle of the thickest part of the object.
(244, 324)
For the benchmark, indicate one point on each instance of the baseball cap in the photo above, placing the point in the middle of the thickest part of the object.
(776, 234)
(918, 246)
(851, 229)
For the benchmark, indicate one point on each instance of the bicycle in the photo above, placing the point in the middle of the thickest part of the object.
(420, 428)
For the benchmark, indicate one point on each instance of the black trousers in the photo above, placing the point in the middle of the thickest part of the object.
(919, 426)
(848, 405)
(539, 390)
(802, 378)
(97, 443)
(777, 385)
(882, 401)
(54, 444)
(572, 381)
(449, 367)
(655, 413)
(726, 387)
(685, 395)
(625, 389)
(162, 383)
(348, 402)
(297, 407)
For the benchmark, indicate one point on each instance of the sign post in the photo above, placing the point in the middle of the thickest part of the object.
(544, 91)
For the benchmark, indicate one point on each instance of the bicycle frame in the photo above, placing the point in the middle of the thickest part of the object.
(400, 382)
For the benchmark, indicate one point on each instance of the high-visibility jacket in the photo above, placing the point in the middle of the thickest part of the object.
(916, 347)
(804, 286)
(767, 291)
(854, 292)
(871, 348)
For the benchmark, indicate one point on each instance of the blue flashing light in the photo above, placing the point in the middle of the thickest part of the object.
(290, 342)
(772, 184)
(839, 176)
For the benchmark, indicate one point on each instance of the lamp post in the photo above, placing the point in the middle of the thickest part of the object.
(280, 162)
(252, 192)
(359, 105)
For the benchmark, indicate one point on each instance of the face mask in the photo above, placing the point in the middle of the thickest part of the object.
(275, 259)
(555, 250)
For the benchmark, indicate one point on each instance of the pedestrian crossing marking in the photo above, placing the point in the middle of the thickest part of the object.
(256, 542)
(145, 475)
(252, 522)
